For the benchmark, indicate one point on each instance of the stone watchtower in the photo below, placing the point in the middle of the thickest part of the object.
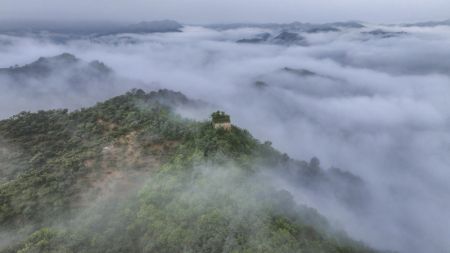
(221, 120)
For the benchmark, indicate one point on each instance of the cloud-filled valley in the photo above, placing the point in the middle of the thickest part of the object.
(372, 100)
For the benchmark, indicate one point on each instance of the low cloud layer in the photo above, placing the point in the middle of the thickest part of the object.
(376, 105)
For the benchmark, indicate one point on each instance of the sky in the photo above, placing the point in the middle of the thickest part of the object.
(218, 11)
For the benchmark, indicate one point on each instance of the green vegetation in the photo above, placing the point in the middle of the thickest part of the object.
(129, 175)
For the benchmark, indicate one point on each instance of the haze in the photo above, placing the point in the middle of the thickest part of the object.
(213, 11)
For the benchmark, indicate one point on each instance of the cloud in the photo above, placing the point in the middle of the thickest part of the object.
(377, 107)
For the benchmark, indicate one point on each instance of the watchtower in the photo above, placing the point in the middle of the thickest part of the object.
(221, 120)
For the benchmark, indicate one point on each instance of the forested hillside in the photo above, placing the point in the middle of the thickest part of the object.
(131, 175)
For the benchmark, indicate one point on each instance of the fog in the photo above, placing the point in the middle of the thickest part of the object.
(375, 106)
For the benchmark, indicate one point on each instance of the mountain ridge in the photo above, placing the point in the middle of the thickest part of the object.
(57, 163)
(44, 67)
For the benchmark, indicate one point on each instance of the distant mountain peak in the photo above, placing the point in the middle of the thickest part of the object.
(289, 38)
(431, 23)
(158, 26)
(66, 58)
(75, 70)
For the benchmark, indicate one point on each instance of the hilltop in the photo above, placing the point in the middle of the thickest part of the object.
(131, 175)
(45, 67)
